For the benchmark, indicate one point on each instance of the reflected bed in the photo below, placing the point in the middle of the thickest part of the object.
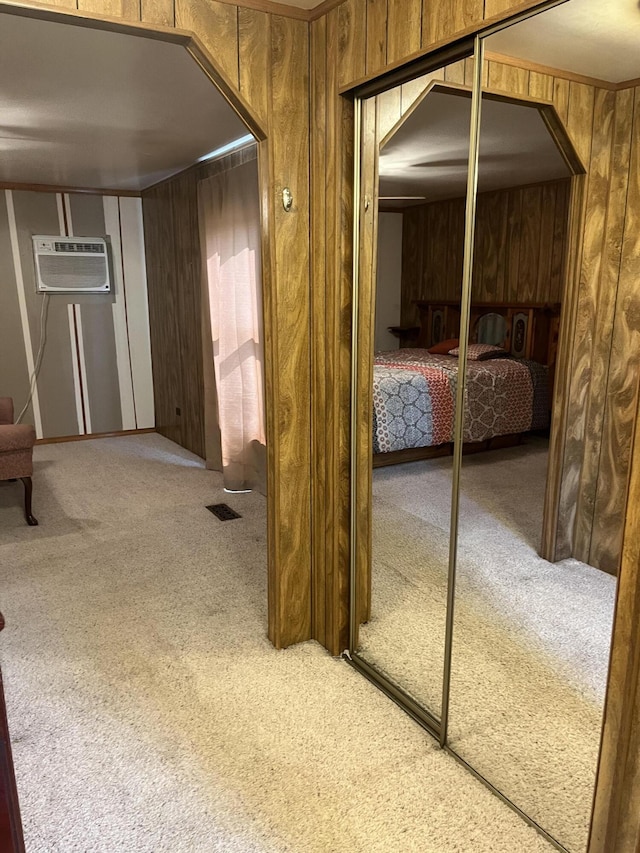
(414, 402)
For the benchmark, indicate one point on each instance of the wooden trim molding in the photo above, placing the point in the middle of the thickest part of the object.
(527, 65)
(561, 73)
(208, 167)
(52, 188)
(323, 9)
(62, 439)
(287, 11)
(628, 84)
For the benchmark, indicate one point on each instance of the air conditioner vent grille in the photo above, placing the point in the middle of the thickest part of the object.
(98, 248)
(73, 273)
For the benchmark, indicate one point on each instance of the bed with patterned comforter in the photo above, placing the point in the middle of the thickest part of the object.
(414, 399)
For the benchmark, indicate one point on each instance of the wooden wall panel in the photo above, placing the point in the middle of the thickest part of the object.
(163, 309)
(289, 150)
(320, 448)
(519, 248)
(580, 125)
(188, 282)
(561, 97)
(128, 10)
(333, 166)
(172, 243)
(442, 19)
(597, 315)
(493, 8)
(216, 24)
(64, 4)
(376, 35)
(174, 280)
(404, 28)
(580, 118)
(388, 111)
(455, 73)
(254, 57)
(157, 12)
(351, 34)
(540, 86)
(619, 402)
(508, 78)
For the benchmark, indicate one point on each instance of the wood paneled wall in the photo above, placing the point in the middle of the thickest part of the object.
(262, 61)
(520, 247)
(615, 361)
(581, 453)
(174, 273)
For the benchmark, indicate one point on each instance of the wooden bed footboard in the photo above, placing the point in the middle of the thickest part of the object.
(415, 454)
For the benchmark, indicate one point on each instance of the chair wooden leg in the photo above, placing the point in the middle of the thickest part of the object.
(28, 490)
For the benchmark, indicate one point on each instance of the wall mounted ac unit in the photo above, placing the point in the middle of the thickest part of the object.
(71, 264)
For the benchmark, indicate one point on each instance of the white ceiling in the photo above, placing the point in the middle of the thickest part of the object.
(428, 155)
(85, 108)
(597, 38)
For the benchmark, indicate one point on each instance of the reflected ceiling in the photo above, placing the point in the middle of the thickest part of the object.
(88, 108)
(428, 155)
(596, 38)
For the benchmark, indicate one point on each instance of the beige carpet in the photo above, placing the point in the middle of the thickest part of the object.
(531, 639)
(149, 713)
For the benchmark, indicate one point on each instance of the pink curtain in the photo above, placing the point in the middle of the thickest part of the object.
(230, 224)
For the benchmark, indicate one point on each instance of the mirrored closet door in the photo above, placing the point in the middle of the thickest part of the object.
(484, 569)
(414, 162)
(526, 703)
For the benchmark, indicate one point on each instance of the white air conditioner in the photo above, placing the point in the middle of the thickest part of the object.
(71, 264)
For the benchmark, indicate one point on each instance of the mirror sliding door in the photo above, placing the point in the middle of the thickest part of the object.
(411, 195)
(494, 387)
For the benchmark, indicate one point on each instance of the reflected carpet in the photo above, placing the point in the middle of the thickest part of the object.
(531, 638)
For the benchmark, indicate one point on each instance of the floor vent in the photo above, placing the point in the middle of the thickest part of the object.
(223, 512)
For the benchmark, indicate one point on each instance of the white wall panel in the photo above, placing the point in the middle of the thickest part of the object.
(127, 403)
(389, 279)
(135, 288)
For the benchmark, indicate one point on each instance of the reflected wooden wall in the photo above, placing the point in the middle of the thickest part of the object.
(520, 248)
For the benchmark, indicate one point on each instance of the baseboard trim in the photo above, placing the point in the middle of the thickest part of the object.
(61, 439)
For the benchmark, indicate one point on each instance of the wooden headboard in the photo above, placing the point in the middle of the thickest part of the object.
(530, 330)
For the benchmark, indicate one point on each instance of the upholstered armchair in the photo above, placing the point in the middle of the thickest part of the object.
(16, 453)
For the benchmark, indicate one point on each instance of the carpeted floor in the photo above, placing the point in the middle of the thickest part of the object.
(531, 639)
(148, 711)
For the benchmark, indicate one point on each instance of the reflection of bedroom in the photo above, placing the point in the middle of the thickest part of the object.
(534, 562)
(520, 258)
